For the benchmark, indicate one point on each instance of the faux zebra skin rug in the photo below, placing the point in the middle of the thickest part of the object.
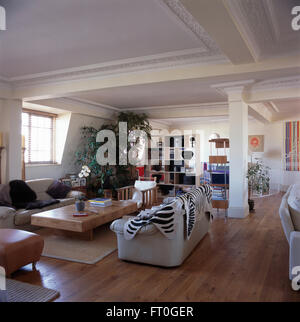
(192, 204)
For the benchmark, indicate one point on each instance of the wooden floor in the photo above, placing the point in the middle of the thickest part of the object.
(239, 260)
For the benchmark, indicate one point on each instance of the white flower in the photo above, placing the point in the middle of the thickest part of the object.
(85, 171)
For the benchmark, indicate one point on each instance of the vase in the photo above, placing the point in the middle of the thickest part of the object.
(79, 205)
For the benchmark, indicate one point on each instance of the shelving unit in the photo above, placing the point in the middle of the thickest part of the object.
(217, 173)
(174, 174)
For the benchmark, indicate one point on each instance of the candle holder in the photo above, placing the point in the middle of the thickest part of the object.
(1, 148)
(23, 164)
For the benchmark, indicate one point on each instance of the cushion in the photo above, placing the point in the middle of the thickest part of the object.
(4, 194)
(20, 193)
(294, 207)
(58, 190)
(40, 186)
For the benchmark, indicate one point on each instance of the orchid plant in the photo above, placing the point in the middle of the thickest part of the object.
(85, 172)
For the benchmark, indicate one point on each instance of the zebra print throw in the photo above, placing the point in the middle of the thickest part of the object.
(163, 217)
(194, 203)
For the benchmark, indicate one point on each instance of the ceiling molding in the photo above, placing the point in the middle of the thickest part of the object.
(278, 83)
(109, 107)
(118, 67)
(253, 23)
(181, 106)
(192, 24)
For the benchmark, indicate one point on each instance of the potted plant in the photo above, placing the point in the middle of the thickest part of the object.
(79, 203)
(109, 177)
(258, 181)
(97, 175)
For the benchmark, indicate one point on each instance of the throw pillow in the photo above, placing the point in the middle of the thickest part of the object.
(58, 190)
(294, 207)
(21, 193)
(4, 194)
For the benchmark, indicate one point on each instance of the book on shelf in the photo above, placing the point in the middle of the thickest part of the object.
(100, 202)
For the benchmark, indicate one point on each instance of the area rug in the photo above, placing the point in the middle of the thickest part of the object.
(22, 292)
(77, 250)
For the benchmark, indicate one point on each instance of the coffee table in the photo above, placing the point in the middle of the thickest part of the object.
(63, 221)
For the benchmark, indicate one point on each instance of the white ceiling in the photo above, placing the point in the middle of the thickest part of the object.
(47, 35)
(287, 108)
(157, 94)
(266, 26)
(44, 36)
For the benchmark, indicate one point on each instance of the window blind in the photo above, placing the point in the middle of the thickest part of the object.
(38, 129)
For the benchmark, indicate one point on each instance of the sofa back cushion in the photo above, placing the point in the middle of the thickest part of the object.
(40, 187)
(294, 206)
(21, 193)
(58, 190)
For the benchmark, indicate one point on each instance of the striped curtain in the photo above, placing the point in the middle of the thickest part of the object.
(292, 146)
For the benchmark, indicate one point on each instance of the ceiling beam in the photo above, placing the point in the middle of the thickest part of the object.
(45, 90)
(260, 112)
(77, 107)
(215, 18)
(184, 112)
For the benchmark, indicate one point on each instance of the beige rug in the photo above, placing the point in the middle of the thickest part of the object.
(76, 250)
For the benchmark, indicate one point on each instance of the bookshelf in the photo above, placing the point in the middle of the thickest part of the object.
(172, 160)
(217, 173)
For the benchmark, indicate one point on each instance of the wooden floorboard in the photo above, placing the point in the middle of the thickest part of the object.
(239, 260)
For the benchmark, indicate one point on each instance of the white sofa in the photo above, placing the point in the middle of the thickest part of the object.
(290, 219)
(20, 219)
(151, 247)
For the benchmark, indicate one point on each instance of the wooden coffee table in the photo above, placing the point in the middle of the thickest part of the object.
(63, 221)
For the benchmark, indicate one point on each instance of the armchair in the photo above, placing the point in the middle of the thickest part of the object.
(291, 233)
(143, 192)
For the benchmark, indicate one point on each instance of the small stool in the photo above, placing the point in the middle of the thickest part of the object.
(19, 248)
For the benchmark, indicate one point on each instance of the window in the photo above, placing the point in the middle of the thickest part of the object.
(38, 129)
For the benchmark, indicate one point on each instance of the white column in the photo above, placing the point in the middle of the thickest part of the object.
(238, 136)
(13, 129)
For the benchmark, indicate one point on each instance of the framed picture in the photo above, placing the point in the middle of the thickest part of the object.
(75, 183)
(256, 143)
(67, 182)
(82, 182)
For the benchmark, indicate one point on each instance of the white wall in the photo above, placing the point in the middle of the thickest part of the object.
(274, 147)
(10, 126)
(68, 164)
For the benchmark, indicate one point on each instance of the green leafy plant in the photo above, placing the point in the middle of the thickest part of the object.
(86, 155)
(103, 177)
(258, 179)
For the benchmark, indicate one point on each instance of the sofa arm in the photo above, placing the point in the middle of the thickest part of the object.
(7, 217)
(74, 194)
(117, 226)
(294, 250)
